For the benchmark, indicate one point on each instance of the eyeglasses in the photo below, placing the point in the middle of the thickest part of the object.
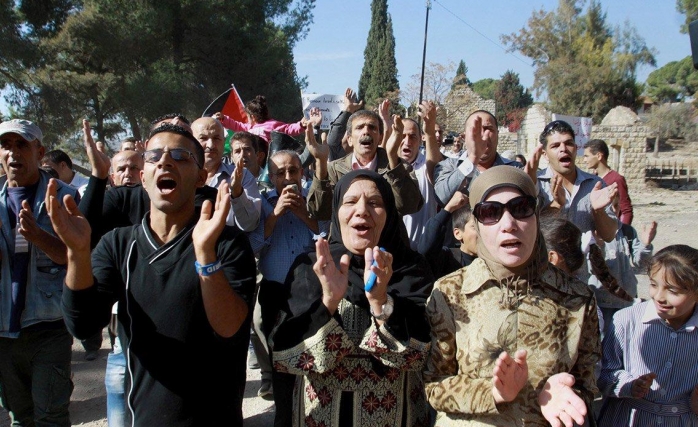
(281, 173)
(490, 213)
(177, 154)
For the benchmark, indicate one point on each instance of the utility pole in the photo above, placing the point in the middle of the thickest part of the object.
(424, 55)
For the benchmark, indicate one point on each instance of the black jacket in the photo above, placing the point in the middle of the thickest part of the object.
(183, 373)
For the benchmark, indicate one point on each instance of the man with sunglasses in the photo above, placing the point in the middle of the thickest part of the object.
(581, 197)
(481, 140)
(184, 283)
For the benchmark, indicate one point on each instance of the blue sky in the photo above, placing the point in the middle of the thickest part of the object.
(332, 55)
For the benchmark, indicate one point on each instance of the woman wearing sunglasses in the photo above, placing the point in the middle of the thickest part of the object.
(514, 339)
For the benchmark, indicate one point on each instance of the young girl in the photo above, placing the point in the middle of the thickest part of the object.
(650, 354)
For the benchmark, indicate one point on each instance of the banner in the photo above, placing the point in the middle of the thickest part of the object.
(581, 126)
(330, 106)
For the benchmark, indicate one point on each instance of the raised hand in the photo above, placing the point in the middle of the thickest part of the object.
(27, 224)
(427, 111)
(350, 104)
(383, 271)
(648, 233)
(474, 140)
(510, 375)
(210, 225)
(236, 179)
(602, 197)
(99, 161)
(393, 144)
(642, 385)
(68, 222)
(321, 151)
(557, 189)
(531, 166)
(315, 116)
(458, 200)
(334, 281)
(559, 404)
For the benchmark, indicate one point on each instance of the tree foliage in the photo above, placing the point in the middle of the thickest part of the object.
(122, 63)
(688, 8)
(512, 100)
(673, 121)
(461, 76)
(437, 84)
(673, 82)
(585, 66)
(379, 74)
(485, 87)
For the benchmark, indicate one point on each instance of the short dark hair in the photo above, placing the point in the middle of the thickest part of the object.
(168, 117)
(461, 216)
(680, 263)
(246, 136)
(598, 146)
(557, 126)
(170, 128)
(57, 156)
(365, 113)
(565, 238)
(419, 128)
(290, 153)
(258, 109)
(494, 119)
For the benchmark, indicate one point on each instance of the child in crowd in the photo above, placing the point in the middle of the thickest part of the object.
(650, 353)
(441, 259)
(629, 249)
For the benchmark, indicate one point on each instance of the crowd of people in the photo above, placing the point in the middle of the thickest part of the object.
(388, 272)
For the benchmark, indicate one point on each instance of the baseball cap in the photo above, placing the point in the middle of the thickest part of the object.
(23, 128)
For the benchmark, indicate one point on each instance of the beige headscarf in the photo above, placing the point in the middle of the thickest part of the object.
(516, 279)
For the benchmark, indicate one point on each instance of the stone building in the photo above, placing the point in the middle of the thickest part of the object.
(460, 103)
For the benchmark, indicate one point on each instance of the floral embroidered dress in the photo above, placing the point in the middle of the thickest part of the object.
(474, 318)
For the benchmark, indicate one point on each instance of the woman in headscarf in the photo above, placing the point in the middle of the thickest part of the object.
(358, 352)
(514, 339)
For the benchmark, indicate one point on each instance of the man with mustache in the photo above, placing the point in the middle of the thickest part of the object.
(244, 194)
(365, 134)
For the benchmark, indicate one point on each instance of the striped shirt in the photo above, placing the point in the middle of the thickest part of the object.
(640, 342)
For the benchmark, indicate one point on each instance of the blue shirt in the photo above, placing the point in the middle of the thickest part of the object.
(290, 238)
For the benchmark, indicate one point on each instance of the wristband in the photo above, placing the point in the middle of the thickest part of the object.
(208, 269)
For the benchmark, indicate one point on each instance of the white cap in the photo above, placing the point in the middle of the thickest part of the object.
(23, 128)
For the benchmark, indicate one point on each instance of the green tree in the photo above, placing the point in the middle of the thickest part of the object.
(379, 74)
(485, 88)
(123, 62)
(688, 8)
(672, 121)
(585, 66)
(461, 76)
(512, 100)
(674, 82)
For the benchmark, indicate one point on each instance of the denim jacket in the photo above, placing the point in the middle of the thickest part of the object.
(44, 277)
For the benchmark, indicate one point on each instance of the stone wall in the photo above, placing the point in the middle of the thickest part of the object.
(460, 104)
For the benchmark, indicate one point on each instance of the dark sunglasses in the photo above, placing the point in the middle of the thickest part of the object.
(177, 154)
(489, 213)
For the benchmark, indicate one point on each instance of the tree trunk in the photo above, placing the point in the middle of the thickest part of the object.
(656, 146)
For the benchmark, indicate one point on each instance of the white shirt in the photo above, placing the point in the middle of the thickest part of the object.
(416, 222)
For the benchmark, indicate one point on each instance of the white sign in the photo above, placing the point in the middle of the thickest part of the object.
(330, 106)
(581, 126)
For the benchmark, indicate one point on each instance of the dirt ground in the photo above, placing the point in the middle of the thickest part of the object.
(676, 212)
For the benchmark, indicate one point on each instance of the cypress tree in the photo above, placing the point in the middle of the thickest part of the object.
(379, 74)
(461, 76)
